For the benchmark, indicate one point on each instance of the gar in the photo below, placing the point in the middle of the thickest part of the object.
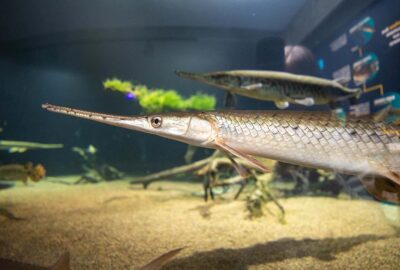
(318, 140)
(282, 88)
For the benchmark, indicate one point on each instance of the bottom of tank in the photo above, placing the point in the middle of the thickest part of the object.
(111, 226)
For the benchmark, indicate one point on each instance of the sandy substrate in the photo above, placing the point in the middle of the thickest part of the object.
(110, 226)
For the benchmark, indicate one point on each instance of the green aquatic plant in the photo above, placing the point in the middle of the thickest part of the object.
(118, 85)
(201, 102)
(160, 100)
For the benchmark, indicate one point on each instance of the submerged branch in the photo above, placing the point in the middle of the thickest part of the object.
(147, 180)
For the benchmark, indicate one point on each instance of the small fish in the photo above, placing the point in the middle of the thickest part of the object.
(311, 139)
(62, 264)
(280, 87)
(18, 172)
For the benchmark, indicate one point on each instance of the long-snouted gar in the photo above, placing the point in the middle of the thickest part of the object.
(280, 87)
(317, 140)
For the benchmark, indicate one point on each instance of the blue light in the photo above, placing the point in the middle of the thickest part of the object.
(130, 96)
(321, 63)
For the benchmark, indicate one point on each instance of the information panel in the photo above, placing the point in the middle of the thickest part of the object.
(366, 54)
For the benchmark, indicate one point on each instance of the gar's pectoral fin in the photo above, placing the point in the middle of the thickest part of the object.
(255, 162)
(308, 101)
(238, 167)
(282, 104)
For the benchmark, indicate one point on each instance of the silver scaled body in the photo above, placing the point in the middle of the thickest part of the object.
(318, 140)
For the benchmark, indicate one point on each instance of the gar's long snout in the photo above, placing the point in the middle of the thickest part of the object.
(139, 123)
(184, 127)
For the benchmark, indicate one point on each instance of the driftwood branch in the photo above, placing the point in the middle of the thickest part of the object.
(147, 180)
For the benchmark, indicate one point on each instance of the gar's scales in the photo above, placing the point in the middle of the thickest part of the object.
(319, 140)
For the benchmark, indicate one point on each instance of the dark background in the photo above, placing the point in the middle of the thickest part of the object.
(61, 51)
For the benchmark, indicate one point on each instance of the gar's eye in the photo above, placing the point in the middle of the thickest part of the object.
(156, 121)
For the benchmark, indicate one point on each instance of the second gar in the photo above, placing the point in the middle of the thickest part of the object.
(312, 139)
(282, 88)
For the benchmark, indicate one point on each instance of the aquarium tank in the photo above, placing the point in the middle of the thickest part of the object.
(226, 134)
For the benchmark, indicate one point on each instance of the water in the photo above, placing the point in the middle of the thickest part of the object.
(62, 53)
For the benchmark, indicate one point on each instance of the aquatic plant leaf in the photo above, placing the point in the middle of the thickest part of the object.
(202, 102)
(118, 85)
(21, 146)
